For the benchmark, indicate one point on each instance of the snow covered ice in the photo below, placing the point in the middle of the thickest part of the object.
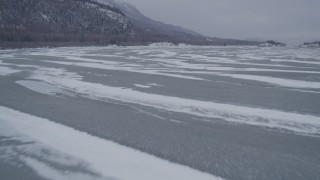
(161, 112)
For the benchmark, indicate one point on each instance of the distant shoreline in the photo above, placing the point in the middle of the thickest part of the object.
(22, 45)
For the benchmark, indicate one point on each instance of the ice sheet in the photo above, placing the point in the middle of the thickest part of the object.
(300, 123)
(107, 159)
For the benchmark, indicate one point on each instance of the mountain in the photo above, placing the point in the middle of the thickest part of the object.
(176, 34)
(96, 22)
(147, 24)
(61, 20)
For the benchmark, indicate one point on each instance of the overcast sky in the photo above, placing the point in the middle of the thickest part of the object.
(292, 21)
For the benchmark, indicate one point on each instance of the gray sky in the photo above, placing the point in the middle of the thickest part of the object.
(292, 21)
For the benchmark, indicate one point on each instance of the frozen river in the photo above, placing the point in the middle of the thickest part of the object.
(191, 112)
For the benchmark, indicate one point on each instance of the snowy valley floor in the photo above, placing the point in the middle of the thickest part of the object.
(160, 113)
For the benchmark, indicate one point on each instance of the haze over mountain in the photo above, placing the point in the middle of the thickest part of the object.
(291, 21)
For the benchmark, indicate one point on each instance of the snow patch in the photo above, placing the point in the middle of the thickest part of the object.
(160, 44)
(142, 86)
(149, 85)
(46, 171)
(108, 159)
(45, 17)
(113, 67)
(277, 81)
(42, 87)
(4, 71)
(154, 84)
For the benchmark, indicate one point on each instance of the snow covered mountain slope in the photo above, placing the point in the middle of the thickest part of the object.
(96, 22)
(55, 20)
